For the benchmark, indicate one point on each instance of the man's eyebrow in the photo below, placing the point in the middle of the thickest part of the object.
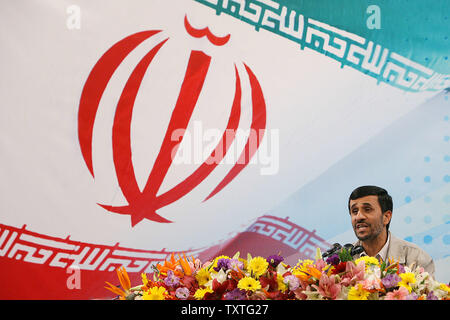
(367, 204)
(363, 204)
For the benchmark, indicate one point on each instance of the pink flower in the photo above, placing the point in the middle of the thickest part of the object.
(328, 287)
(196, 265)
(371, 283)
(353, 273)
(320, 264)
(299, 292)
(399, 294)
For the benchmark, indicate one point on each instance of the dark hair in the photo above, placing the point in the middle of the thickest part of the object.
(384, 199)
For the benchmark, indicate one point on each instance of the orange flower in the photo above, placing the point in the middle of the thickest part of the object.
(185, 265)
(314, 272)
(123, 278)
(307, 273)
(237, 274)
(169, 265)
(124, 282)
(116, 290)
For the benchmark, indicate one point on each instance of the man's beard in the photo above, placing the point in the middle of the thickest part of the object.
(370, 236)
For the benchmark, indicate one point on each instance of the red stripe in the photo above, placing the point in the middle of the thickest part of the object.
(257, 128)
(121, 135)
(213, 160)
(95, 86)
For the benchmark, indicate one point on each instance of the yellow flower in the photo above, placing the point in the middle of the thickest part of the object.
(155, 293)
(249, 284)
(144, 279)
(358, 293)
(302, 266)
(305, 262)
(203, 276)
(407, 279)
(258, 266)
(244, 262)
(281, 285)
(445, 288)
(305, 269)
(368, 261)
(200, 293)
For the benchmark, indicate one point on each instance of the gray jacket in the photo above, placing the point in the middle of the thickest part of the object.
(408, 253)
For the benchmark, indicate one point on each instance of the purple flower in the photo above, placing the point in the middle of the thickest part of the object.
(182, 293)
(235, 264)
(333, 259)
(171, 280)
(411, 296)
(391, 280)
(274, 260)
(222, 264)
(292, 282)
(431, 296)
(235, 294)
(401, 268)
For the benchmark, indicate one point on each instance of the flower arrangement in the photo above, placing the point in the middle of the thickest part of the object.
(257, 278)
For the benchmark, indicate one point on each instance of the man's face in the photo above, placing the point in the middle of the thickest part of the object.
(368, 220)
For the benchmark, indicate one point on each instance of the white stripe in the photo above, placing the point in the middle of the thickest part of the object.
(48, 243)
(284, 225)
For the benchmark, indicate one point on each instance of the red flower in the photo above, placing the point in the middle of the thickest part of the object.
(190, 282)
(220, 289)
(339, 268)
(271, 282)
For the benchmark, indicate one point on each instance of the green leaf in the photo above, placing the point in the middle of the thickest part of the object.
(345, 255)
(382, 267)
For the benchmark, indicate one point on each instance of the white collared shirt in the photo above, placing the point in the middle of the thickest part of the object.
(382, 254)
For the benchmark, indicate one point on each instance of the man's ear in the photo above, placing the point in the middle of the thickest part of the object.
(387, 216)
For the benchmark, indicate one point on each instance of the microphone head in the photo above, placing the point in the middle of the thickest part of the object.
(357, 250)
(348, 246)
(336, 247)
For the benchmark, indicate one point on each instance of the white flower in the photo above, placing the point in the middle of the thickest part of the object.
(281, 268)
(220, 276)
(373, 270)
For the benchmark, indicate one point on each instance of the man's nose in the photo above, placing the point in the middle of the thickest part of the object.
(360, 215)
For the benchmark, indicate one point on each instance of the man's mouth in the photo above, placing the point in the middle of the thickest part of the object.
(361, 227)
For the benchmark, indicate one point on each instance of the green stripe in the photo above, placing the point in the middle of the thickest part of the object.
(401, 53)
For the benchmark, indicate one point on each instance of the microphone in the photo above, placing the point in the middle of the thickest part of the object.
(356, 250)
(335, 248)
(352, 250)
(348, 247)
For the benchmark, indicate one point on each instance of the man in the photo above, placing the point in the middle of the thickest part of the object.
(370, 210)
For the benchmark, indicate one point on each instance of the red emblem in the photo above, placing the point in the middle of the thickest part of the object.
(143, 204)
